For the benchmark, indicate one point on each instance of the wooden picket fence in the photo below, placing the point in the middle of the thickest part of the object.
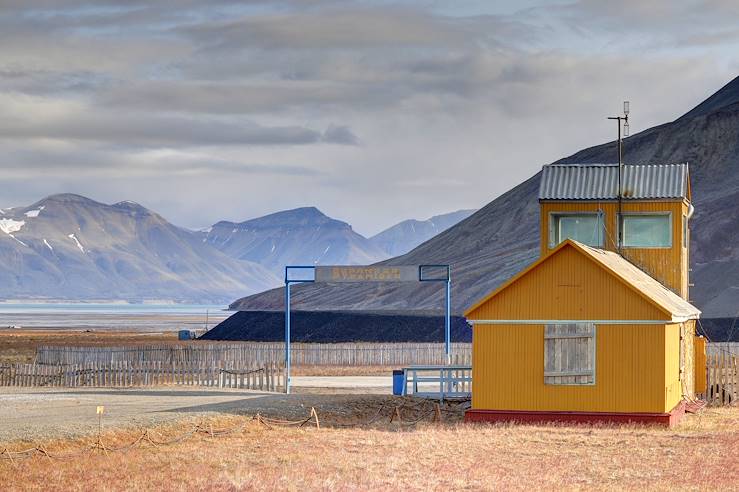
(266, 377)
(245, 353)
(722, 378)
(303, 354)
(718, 347)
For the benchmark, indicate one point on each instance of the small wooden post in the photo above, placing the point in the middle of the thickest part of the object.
(437, 413)
(314, 414)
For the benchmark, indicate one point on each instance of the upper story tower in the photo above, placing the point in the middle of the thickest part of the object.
(647, 223)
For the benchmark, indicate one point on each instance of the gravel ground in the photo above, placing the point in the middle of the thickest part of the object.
(50, 413)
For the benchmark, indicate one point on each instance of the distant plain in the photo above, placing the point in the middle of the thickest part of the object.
(25, 327)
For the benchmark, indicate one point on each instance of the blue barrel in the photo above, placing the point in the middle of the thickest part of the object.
(398, 382)
(184, 335)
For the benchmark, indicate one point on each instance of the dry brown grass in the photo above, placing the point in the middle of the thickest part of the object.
(699, 454)
(21, 345)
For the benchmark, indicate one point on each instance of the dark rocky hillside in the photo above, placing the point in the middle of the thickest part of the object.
(488, 247)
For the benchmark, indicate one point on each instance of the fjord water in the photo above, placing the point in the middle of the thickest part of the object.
(111, 316)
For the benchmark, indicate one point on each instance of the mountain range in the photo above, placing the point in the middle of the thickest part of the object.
(500, 239)
(68, 247)
(404, 236)
(73, 248)
(304, 236)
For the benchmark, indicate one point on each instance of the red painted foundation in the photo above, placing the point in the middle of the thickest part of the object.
(529, 417)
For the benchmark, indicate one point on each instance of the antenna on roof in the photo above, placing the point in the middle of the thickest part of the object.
(625, 120)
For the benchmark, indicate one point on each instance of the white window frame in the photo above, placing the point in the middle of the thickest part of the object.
(652, 214)
(554, 226)
(554, 353)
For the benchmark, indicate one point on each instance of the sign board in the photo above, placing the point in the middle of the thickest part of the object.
(366, 273)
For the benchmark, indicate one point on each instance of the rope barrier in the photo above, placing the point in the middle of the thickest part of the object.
(238, 373)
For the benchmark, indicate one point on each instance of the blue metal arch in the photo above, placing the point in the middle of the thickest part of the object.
(447, 312)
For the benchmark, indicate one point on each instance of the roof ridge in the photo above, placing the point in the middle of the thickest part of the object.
(647, 276)
(613, 164)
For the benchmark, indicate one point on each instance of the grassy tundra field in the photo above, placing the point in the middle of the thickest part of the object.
(21, 345)
(700, 454)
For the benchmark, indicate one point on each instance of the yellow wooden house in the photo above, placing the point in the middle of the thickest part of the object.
(599, 328)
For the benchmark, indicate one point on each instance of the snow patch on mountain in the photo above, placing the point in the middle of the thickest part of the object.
(34, 213)
(18, 240)
(76, 241)
(9, 226)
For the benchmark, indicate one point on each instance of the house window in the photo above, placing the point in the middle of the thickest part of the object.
(585, 228)
(647, 230)
(569, 354)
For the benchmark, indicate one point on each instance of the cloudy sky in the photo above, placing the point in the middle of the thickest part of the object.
(374, 111)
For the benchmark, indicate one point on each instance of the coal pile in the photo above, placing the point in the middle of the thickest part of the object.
(338, 326)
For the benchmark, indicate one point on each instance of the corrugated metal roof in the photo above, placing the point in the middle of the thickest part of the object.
(600, 182)
(630, 273)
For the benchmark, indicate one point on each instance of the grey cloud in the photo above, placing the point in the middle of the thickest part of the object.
(226, 98)
(48, 82)
(141, 129)
(709, 39)
(238, 98)
(327, 29)
(340, 135)
(205, 164)
(652, 24)
(329, 85)
(105, 160)
(310, 58)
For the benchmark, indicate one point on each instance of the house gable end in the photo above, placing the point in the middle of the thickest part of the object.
(567, 284)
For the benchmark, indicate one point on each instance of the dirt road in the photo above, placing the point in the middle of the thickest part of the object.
(45, 413)
(31, 413)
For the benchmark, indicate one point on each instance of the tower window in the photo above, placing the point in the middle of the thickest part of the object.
(585, 228)
(647, 230)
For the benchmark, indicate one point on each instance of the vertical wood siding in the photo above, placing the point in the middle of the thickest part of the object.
(508, 371)
(637, 366)
(700, 365)
(565, 287)
(688, 349)
(667, 265)
(671, 358)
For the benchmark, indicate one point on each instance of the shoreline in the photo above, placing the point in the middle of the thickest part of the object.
(109, 321)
